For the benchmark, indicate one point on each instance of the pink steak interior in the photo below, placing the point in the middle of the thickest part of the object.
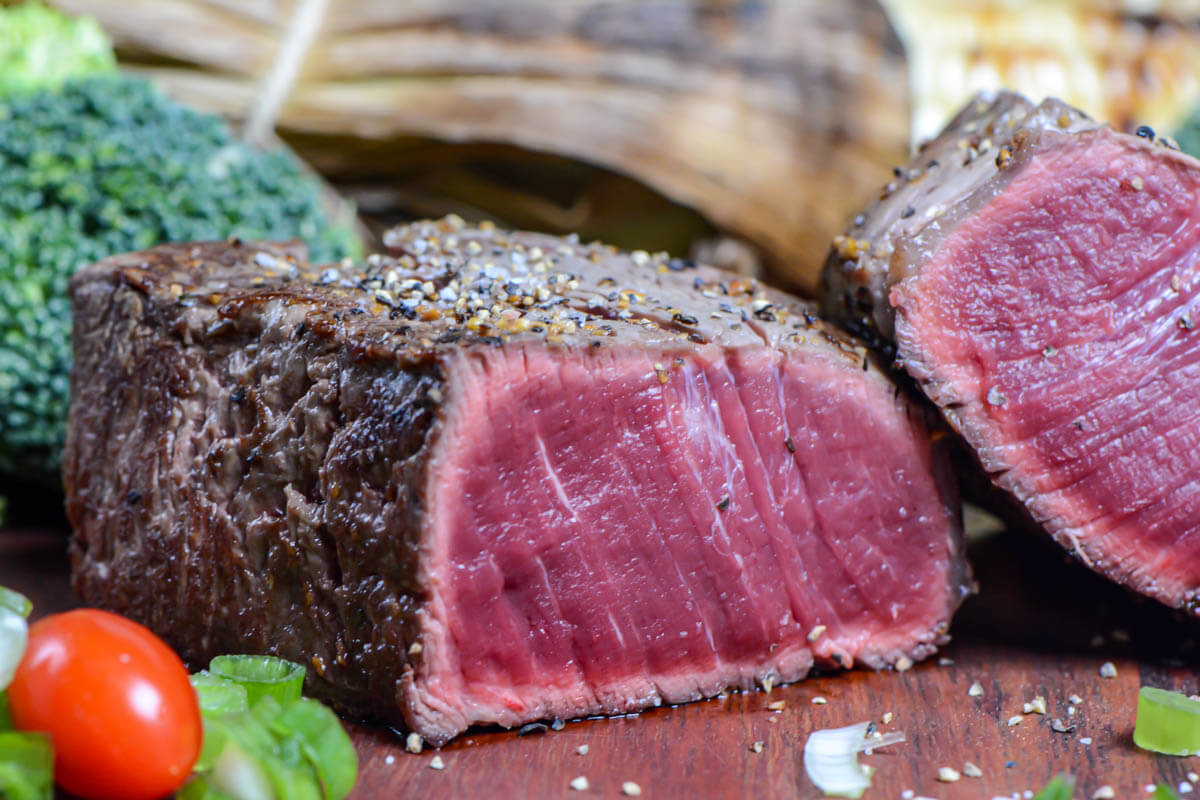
(602, 540)
(1063, 318)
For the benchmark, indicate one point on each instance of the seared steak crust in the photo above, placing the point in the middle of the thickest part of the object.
(269, 456)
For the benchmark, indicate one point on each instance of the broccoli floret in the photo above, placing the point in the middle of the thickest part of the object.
(107, 165)
(41, 48)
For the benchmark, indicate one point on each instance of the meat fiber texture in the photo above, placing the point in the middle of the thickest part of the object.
(495, 478)
(1036, 273)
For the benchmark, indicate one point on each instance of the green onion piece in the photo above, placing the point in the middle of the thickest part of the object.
(262, 676)
(14, 635)
(1059, 788)
(199, 788)
(324, 744)
(250, 757)
(15, 601)
(1164, 792)
(6, 723)
(219, 695)
(1167, 722)
(26, 766)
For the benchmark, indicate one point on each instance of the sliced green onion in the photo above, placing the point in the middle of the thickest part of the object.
(324, 744)
(219, 695)
(831, 758)
(1164, 792)
(6, 723)
(1060, 787)
(262, 676)
(15, 601)
(240, 775)
(14, 635)
(26, 766)
(199, 788)
(1167, 722)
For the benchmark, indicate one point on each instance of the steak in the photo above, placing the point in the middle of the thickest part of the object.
(1036, 274)
(494, 478)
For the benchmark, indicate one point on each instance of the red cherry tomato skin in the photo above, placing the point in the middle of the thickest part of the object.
(115, 700)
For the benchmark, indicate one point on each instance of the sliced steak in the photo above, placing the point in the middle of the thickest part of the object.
(496, 477)
(1037, 274)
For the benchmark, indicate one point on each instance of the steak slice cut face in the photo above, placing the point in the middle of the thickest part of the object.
(1050, 313)
(632, 481)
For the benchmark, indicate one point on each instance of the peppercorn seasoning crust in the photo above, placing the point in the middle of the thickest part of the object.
(1041, 291)
(497, 477)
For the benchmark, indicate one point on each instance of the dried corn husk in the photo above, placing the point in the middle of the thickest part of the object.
(774, 119)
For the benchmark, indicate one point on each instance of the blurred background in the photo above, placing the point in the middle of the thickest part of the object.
(656, 124)
(743, 132)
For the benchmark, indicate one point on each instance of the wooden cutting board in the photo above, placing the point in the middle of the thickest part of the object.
(1040, 626)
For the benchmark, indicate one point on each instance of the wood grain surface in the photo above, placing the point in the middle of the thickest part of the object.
(1040, 626)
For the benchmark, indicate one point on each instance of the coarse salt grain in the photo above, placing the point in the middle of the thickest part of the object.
(1185, 787)
(886, 718)
(437, 763)
(1085, 740)
(1016, 720)
(1108, 670)
(413, 743)
(1105, 792)
(390, 759)
(907, 794)
(778, 705)
(971, 771)
(1193, 777)
(819, 701)
(582, 749)
(948, 774)
(579, 784)
(631, 789)
(757, 747)
(976, 690)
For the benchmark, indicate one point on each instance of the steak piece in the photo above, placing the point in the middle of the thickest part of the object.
(498, 477)
(1036, 273)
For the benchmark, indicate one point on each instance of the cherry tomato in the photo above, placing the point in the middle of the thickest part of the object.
(115, 700)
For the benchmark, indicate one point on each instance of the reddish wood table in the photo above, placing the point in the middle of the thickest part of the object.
(1040, 626)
